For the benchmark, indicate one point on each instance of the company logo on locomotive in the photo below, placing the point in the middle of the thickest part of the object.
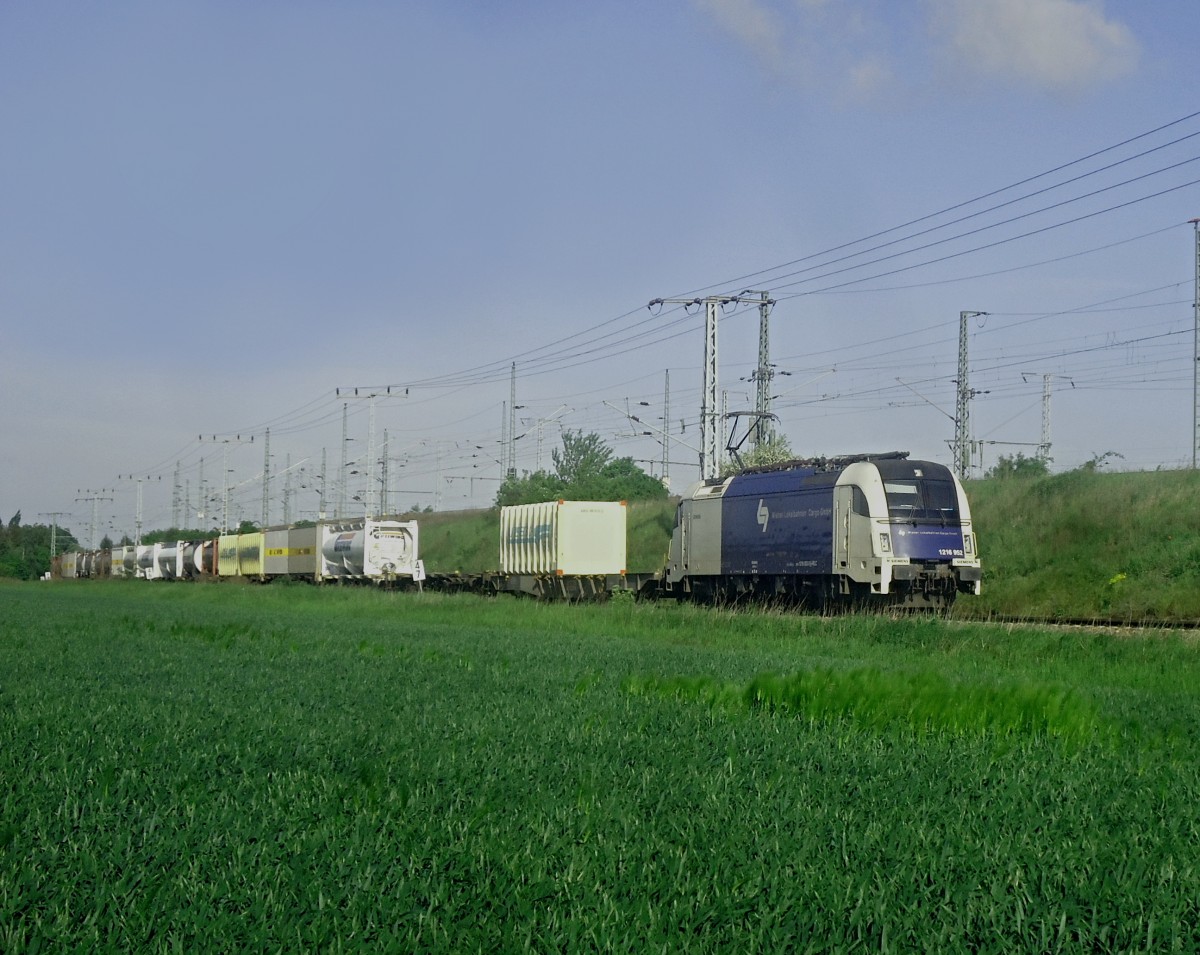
(764, 515)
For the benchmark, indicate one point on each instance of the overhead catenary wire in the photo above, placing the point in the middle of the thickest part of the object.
(494, 370)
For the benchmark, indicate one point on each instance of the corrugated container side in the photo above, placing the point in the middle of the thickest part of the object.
(544, 535)
(227, 555)
(250, 554)
(527, 538)
(506, 523)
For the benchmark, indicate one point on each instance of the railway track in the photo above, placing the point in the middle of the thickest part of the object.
(1096, 624)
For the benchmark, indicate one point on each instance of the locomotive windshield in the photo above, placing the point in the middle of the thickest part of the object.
(921, 500)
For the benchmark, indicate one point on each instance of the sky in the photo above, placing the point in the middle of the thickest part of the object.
(224, 227)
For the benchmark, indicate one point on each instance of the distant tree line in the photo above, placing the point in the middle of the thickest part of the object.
(25, 548)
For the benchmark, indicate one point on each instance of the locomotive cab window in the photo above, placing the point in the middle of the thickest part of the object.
(924, 500)
(858, 502)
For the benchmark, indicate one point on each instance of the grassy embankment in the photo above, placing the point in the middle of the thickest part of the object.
(1083, 544)
(243, 768)
(1073, 545)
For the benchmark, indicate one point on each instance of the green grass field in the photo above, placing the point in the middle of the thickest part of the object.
(286, 768)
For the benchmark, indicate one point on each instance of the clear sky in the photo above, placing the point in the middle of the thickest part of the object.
(218, 217)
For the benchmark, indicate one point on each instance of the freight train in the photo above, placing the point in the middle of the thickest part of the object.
(861, 530)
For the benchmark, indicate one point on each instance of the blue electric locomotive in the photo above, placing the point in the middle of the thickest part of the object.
(877, 529)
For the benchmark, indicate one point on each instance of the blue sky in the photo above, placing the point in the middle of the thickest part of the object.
(216, 216)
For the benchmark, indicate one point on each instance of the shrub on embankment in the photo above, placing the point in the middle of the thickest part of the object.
(1083, 544)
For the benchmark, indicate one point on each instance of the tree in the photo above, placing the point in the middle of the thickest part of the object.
(25, 550)
(623, 480)
(1018, 466)
(582, 456)
(584, 470)
(529, 489)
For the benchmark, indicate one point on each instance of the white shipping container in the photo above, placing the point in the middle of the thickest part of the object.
(563, 538)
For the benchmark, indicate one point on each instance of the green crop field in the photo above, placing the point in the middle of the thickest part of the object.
(286, 768)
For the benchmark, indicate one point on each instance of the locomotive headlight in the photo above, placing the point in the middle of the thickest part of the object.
(885, 543)
(968, 545)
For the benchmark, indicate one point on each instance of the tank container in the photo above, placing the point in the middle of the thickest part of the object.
(169, 557)
(203, 559)
(368, 549)
(147, 562)
(124, 560)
